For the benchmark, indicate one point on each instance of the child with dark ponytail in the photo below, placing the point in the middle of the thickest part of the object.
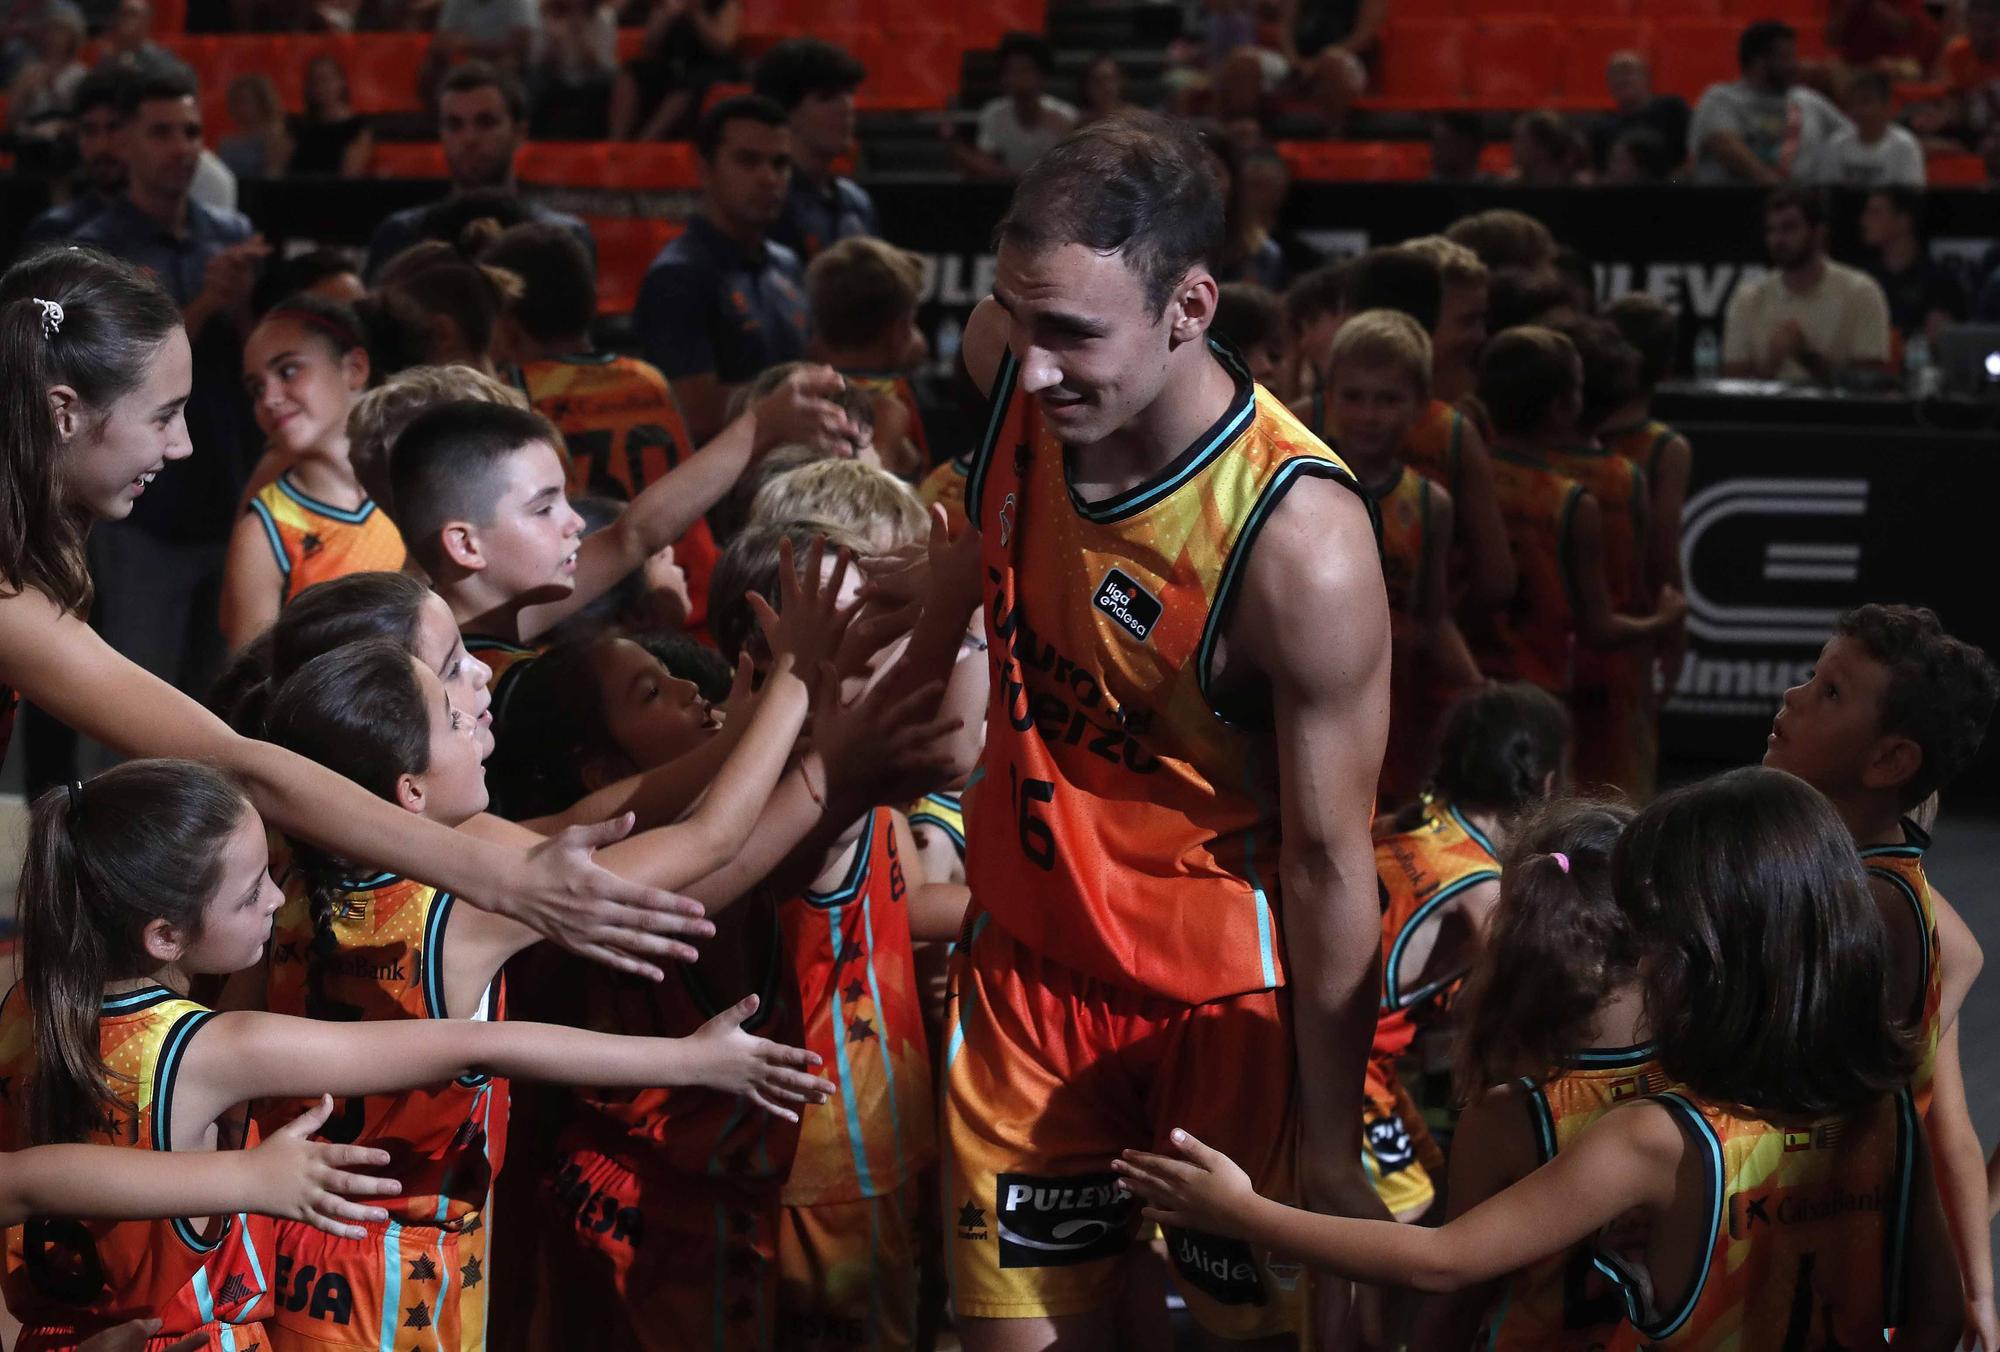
(141, 880)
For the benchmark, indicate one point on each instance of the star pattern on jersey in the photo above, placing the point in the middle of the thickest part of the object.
(311, 545)
(234, 1290)
(854, 993)
(418, 1316)
(971, 1217)
(850, 952)
(859, 1030)
(470, 1275)
(422, 1269)
(472, 1225)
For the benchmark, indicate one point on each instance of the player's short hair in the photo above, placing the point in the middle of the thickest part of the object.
(468, 76)
(1456, 264)
(1651, 328)
(1809, 200)
(1762, 39)
(1322, 291)
(800, 68)
(1379, 338)
(870, 503)
(1247, 314)
(1137, 185)
(103, 87)
(1610, 367)
(714, 124)
(1395, 278)
(1523, 373)
(558, 296)
(860, 288)
(447, 467)
(750, 564)
(379, 417)
(1504, 238)
(1941, 689)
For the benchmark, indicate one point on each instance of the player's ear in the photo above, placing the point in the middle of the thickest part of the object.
(461, 543)
(1893, 761)
(410, 793)
(1191, 308)
(163, 941)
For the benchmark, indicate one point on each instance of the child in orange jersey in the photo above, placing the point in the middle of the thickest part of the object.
(1378, 380)
(1437, 863)
(617, 414)
(1554, 1035)
(864, 295)
(1894, 710)
(304, 366)
(1611, 695)
(1531, 381)
(138, 881)
(1461, 328)
(1782, 1189)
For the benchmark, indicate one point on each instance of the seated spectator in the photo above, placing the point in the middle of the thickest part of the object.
(1923, 294)
(1548, 152)
(1248, 252)
(1761, 127)
(261, 147)
(101, 110)
(1102, 90)
(1457, 138)
(1016, 128)
(1810, 320)
(330, 138)
(864, 295)
(1635, 107)
(41, 98)
(572, 73)
(482, 119)
(814, 82)
(723, 302)
(502, 33)
(1504, 238)
(1970, 70)
(128, 41)
(1872, 152)
(689, 45)
(1251, 319)
(1889, 35)
(1640, 156)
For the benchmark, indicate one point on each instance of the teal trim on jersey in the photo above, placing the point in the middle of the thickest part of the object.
(888, 1064)
(1544, 1118)
(1896, 1241)
(1479, 837)
(433, 956)
(1393, 998)
(1221, 435)
(1916, 841)
(996, 418)
(131, 1002)
(1610, 1058)
(1690, 1120)
(277, 544)
(849, 887)
(392, 1286)
(312, 504)
(1909, 894)
(165, 1072)
(850, 1109)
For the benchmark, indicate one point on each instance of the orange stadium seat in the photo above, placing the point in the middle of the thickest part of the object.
(1355, 161)
(1692, 54)
(408, 159)
(565, 164)
(1431, 9)
(1956, 171)
(1679, 9)
(1496, 159)
(1423, 64)
(383, 72)
(626, 246)
(909, 71)
(1514, 62)
(631, 42)
(1797, 12)
(1587, 48)
(651, 166)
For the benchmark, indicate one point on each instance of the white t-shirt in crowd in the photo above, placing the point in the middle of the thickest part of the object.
(1002, 136)
(1767, 124)
(1845, 317)
(1895, 160)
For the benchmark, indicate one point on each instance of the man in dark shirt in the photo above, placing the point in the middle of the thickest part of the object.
(723, 302)
(101, 110)
(482, 120)
(1924, 295)
(158, 573)
(1635, 106)
(814, 82)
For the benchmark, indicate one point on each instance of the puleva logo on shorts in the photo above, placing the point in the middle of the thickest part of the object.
(1053, 1222)
(1222, 1269)
(1131, 606)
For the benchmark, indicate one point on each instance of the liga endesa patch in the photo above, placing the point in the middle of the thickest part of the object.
(1053, 1222)
(1130, 606)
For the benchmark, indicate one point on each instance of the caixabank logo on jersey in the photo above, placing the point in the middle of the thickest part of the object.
(1056, 1221)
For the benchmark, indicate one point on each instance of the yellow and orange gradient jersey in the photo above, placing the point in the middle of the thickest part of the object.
(314, 541)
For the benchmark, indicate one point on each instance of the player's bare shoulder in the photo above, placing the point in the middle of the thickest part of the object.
(984, 343)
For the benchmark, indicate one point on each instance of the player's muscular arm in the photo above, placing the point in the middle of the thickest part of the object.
(1313, 621)
(1489, 582)
(251, 583)
(1492, 1149)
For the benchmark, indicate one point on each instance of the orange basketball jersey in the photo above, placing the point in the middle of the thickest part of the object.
(1532, 638)
(857, 980)
(895, 387)
(1132, 829)
(1420, 869)
(1641, 443)
(379, 957)
(945, 487)
(1403, 514)
(313, 541)
(624, 430)
(1808, 1230)
(1435, 443)
(68, 1279)
(1903, 866)
(1564, 1303)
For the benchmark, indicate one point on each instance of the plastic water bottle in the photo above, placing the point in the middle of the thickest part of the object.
(1920, 372)
(945, 358)
(1707, 354)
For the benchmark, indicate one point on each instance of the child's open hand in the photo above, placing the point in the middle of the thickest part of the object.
(811, 623)
(768, 1073)
(1201, 1190)
(308, 1180)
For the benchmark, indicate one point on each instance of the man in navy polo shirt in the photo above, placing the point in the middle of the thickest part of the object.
(814, 82)
(723, 302)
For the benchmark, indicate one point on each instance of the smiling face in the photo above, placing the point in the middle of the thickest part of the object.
(1371, 406)
(452, 788)
(1829, 730)
(438, 645)
(236, 922)
(301, 389)
(1093, 351)
(530, 544)
(112, 454)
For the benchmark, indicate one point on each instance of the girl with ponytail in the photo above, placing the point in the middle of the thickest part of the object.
(94, 373)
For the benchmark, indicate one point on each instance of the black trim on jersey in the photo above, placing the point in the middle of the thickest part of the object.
(1611, 1058)
(856, 880)
(1896, 1233)
(134, 1001)
(1289, 473)
(1923, 928)
(165, 1072)
(767, 995)
(1238, 418)
(1544, 1119)
(1689, 1119)
(934, 820)
(1004, 378)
